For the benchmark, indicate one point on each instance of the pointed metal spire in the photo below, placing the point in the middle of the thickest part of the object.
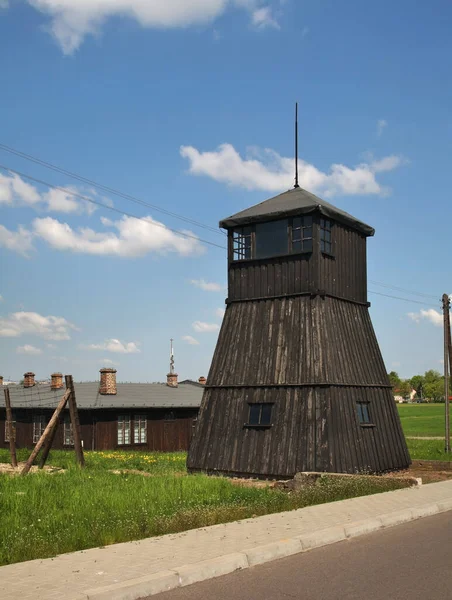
(171, 358)
(296, 145)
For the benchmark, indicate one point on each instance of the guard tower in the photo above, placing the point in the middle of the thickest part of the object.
(297, 381)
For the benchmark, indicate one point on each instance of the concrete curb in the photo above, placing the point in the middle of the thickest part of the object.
(162, 581)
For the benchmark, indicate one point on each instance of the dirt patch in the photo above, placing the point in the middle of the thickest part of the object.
(427, 475)
(7, 468)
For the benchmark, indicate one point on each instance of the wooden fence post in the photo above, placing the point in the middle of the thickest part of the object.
(11, 429)
(47, 445)
(47, 432)
(75, 422)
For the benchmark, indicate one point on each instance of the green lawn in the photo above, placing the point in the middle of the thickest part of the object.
(427, 450)
(47, 514)
(423, 420)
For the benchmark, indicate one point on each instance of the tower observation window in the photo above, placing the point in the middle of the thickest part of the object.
(272, 238)
(325, 236)
(302, 234)
(241, 240)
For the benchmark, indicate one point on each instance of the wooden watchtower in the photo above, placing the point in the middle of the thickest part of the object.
(297, 381)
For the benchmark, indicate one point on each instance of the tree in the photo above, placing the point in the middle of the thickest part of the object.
(394, 380)
(417, 381)
(404, 388)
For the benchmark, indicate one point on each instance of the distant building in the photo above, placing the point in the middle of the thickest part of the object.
(140, 416)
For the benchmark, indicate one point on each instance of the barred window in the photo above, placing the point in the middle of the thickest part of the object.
(140, 431)
(68, 432)
(39, 424)
(241, 243)
(325, 236)
(7, 430)
(302, 234)
(123, 430)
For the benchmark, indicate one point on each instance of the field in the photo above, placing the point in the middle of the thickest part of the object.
(422, 420)
(45, 514)
(123, 496)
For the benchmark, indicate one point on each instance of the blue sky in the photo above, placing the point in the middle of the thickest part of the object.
(189, 107)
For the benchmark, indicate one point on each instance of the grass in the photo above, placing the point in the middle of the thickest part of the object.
(427, 450)
(47, 514)
(424, 420)
(150, 462)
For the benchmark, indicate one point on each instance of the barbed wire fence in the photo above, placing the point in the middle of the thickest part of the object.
(39, 396)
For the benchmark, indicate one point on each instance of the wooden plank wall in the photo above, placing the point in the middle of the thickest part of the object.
(342, 274)
(99, 429)
(296, 341)
(314, 358)
(313, 429)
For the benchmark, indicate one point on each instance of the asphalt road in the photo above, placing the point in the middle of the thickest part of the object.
(407, 562)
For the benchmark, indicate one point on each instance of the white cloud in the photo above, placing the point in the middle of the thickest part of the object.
(20, 241)
(4, 4)
(207, 286)
(27, 349)
(201, 327)
(190, 340)
(220, 312)
(49, 328)
(431, 315)
(113, 345)
(263, 17)
(267, 170)
(381, 125)
(14, 191)
(72, 20)
(1, 298)
(135, 237)
(108, 362)
(51, 346)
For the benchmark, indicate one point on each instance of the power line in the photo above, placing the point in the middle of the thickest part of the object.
(117, 210)
(398, 298)
(400, 289)
(157, 208)
(106, 188)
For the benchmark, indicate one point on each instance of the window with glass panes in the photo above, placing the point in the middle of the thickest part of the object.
(302, 234)
(325, 236)
(272, 238)
(7, 430)
(363, 413)
(68, 434)
(139, 431)
(241, 243)
(39, 424)
(260, 414)
(123, 430)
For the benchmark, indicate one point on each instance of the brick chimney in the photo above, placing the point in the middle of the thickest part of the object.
(171, 380)
(29, 379)
(108, 382)
(56, 382)
(202, 380)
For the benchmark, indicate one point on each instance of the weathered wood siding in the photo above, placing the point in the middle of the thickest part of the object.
(342, 274)
(296, 341)
(313, 429)
(272, 277)
(99, 429)
(314, 358)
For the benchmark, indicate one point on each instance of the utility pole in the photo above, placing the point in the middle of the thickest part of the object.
(447, 358)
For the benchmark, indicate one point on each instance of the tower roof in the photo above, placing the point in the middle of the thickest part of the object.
(293, 202)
